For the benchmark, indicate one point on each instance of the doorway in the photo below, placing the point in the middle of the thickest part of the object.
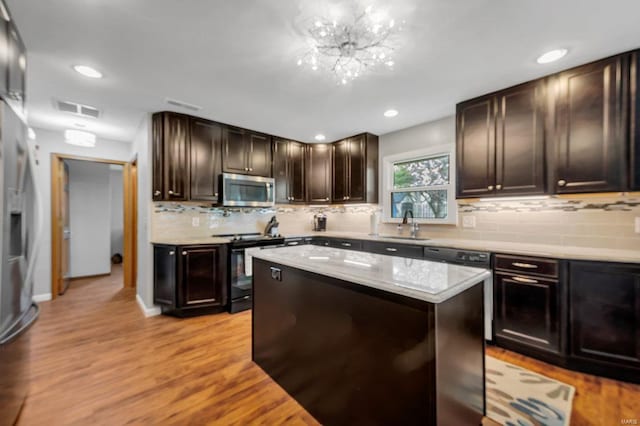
(62, 205)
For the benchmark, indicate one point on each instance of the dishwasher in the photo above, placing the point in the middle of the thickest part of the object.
(477, 259)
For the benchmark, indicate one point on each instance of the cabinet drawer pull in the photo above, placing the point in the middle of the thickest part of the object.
(215, 195)
(246, 298)
(346, 244)
(177, 194)
(562, 182)
(156, 192)
(524, 280)
(391, 249)
(498, 187)
(184, 253)
(525, 265)
(171, 253)
(490, 187)
(293, 243)
(250, 169)
(326, 199)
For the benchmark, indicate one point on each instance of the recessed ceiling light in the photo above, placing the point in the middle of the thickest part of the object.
(80, 138)
(320, 137)
(390, 113)
(552, 55)
(87, 71)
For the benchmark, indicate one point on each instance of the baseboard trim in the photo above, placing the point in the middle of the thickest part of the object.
(148, 312)
(44, 297)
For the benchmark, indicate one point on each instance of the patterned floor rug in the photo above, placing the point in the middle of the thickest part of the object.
(519, 397)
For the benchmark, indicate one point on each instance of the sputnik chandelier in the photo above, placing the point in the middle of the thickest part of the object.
(351, 46)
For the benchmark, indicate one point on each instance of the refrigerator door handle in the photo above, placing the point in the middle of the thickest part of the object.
(6, 339)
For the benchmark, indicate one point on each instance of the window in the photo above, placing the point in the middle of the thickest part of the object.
(420, 182)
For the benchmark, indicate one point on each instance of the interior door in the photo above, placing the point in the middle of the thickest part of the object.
(65, 256)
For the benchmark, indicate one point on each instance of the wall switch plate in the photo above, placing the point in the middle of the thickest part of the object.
(637, 225)
(468, 221)
(195, 221)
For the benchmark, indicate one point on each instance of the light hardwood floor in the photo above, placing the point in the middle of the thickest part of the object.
(97, 360)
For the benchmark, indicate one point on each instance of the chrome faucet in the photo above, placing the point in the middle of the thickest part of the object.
(415, 228)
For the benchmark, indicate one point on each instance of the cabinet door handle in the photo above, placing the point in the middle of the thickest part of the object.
(562, 182)
(171, 253)
(184, 253)
(524, 280)
(156, 192)
(345, 244)
(246, 298)
(498, 187)
(215, 195)
(177, 194)
(524, 265)
(170, 192)
(326, 199)
(391, 249)
(490, 187)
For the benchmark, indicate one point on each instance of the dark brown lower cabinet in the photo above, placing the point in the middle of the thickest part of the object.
(605, 318)
(190, 280)
(528, 311)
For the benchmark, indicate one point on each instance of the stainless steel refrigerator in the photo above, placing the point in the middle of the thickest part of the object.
(19, 218)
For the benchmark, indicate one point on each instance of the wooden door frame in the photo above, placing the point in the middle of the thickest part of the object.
(129, 172)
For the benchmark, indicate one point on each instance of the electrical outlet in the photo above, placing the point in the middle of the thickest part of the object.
(637, 225)
(195, 221)
(468, 221)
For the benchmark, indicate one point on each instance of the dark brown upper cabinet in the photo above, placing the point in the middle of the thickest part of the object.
(246, 152)
(205, 159)
(318, 179)
(591, 129)
(635, 122)
(476, 148)
(170, 156)
(289, 171)
(501, 143)
(355, 170)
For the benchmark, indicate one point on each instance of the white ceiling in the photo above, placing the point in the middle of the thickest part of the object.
(237, 59)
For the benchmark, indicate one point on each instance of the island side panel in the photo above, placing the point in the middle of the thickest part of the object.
(460, 346)
(347, 353)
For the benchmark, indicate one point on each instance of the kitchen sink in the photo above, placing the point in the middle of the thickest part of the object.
(397, 237)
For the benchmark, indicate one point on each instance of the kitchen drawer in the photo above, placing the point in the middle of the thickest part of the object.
(346, 244)
(320, 241)
(401, 250)
(527, 265)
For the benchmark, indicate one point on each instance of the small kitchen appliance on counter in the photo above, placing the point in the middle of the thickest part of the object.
(271, 230)
(320, 222)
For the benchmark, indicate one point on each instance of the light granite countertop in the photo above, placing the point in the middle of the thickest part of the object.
(431, 282)
(527, 249)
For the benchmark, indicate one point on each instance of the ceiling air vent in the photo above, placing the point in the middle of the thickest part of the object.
(77, 109)
(182, 104)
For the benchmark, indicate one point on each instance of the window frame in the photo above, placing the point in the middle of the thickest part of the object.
(387, 177)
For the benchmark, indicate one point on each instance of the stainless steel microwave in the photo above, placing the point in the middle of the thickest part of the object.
(247, 191)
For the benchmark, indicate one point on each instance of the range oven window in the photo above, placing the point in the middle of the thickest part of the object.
(240, 281)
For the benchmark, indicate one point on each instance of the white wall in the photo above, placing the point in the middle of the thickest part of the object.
(433, 133)
(117, 215)
(141, 148)
(50, 142)
(89, 218)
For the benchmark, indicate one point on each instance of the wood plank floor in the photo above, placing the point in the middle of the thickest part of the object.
(97, 360)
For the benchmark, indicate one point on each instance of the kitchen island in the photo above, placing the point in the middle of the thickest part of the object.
(361, 338)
